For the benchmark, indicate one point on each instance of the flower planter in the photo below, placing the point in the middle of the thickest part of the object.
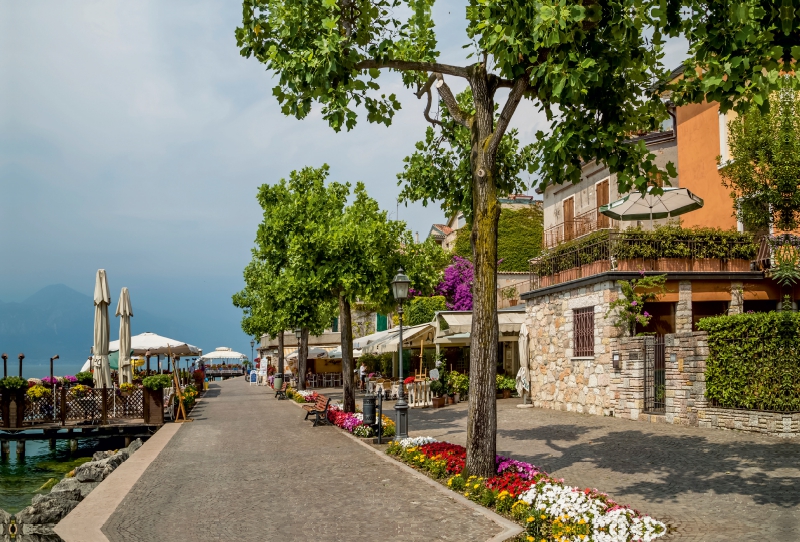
(570, 274)
(512, 302)
(153, 407)
(438, 402)
(638, 264)
(594, 268)
(738, 264)
(506, 394)
(13, 408)
(674, 264)
(706, 264)
(451, 400)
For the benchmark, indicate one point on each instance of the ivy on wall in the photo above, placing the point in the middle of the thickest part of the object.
(752, 360)
(519, 238)
(420, 310)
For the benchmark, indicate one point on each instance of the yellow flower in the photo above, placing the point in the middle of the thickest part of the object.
(466, 494)
(450, 482)
(530, 519)
(530, 539)
(542, 516)
(476, 486)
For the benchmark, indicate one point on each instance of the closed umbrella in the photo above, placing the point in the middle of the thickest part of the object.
(125, 311)
(102, 297)
(648, 206)
(523, 375)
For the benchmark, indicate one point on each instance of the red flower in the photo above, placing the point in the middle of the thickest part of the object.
(511, 482)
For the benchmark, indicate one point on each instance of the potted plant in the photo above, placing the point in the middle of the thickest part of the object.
(86, 378)
(126, 389)
(505, 385)
(13, 400)
(459, 384)
(38, 392)
(437, 389)
(154, 398)
(510, 293)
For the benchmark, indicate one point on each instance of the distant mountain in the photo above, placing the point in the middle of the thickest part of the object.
(60, 320)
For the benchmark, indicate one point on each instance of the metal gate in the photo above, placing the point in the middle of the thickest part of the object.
(655, 375)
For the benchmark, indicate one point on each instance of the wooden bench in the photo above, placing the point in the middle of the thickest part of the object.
(319, 409)
(281, 393)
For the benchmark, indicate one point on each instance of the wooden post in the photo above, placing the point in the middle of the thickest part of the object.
(104, 410)
(180, 416)
(63, 413)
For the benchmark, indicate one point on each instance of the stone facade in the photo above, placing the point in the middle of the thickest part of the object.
(559, 379)
(599, 385)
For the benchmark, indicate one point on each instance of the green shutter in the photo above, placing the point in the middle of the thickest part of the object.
(381, 324)
(335, 324)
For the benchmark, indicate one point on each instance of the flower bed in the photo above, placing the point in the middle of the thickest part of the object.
(301, 396)
(353, 422)
(548, 509)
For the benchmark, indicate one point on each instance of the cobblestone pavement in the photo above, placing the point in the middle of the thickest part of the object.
(712, 485)
(250, 469)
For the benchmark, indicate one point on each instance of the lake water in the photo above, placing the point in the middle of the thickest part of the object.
(20, 480)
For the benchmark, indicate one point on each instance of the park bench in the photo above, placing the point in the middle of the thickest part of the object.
(281, 393)
(319, 409)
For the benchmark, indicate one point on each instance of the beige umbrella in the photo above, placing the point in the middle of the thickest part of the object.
(102, 297)
(523, 375)
(124, 311)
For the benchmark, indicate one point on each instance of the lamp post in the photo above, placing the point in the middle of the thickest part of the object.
(52, 380)
(5, 365)
(400, 285)
(21, 357)
(298, 334)
(252, 344)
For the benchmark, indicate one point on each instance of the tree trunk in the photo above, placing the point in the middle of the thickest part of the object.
(302, 359)
(482, 421)
(346, 331)
(280, 353)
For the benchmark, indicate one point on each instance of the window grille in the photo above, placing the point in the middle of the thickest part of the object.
(584, 331)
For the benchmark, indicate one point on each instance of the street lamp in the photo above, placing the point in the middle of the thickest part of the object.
(252, 344)
(400, 285)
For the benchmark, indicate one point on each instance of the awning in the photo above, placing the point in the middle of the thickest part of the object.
(452, 322)
(361, 342)
(410, 335)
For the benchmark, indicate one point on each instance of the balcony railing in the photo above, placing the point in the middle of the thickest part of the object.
(581, 225)
(636, 251)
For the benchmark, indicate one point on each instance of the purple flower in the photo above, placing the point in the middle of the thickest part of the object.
(457, 285)
(641, 272)
(525, 470)
(634, 303)
(646, 314)
(71, 379)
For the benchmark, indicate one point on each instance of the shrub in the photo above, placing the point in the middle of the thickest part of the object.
(13, 383)
(505, 383)
(38, 392)
(157, 382)
(421, 310)
(85, 378)
(752, 360)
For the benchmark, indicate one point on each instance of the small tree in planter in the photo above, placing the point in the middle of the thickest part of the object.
(630, 307)
(510, 293)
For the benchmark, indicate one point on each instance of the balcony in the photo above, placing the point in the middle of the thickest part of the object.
(581, 225)
(665, 249)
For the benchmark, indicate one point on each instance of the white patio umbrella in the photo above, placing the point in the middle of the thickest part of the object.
(125, 311)
(314, 352)
(523, 375)
(223, 353)
(636, 206)
(157, 345)
(102, 297)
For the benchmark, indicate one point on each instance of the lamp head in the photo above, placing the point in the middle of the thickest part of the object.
(252, 344)
(21, 356)
(298, 333)
(400, 285)
(54, 358)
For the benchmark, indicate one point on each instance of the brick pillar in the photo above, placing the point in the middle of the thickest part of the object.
(737, 298)
(683, 313)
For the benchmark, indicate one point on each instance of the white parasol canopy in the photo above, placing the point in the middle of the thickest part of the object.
(157, 346)
(523, 375)
(125, 311)
(314, 352)
(336, 353)
(102, 297)
(223, 353)
(635, 206)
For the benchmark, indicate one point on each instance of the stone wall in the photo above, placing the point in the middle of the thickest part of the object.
(560, 380)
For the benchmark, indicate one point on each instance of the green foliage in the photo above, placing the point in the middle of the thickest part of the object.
(628, 310)
(440, 168)
(421, 310)
(424, 263)
(157, 382)
(764, 172)
(738, 51)
(503, 382)
(86, 378)
(13, 383)
(752, 360)
(786, 267)
(519, 238)
(377, 363)
(458, 382)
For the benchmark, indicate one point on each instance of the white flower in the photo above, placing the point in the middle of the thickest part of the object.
(416, 441)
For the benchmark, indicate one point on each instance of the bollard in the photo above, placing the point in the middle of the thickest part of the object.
(73, 445)
(20, 449)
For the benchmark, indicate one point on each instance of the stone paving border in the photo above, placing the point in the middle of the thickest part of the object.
(510, 528)
(84, 523)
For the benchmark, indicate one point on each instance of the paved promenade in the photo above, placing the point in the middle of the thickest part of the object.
(249, 469)
(713, 485)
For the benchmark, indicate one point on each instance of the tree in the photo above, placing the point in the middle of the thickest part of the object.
(764, 173)
(592, 63)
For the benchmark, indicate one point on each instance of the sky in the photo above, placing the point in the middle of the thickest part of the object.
(133, 137)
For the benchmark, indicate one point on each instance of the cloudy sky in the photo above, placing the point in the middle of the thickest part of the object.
(133, 137)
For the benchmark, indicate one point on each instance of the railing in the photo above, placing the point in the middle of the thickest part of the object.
(520, 287)
(581, 225)
(64, 407)
(622, 251)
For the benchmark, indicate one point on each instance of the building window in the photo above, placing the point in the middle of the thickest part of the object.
(335, 325)
(584, 331)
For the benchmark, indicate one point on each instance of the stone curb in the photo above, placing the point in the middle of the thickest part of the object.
(509, 528)
(85, 522)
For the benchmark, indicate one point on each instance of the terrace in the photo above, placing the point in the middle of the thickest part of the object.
(668, 249)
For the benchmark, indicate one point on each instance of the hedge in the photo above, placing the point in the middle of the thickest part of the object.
(753, 361)
(420, 310)
(519, 238)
